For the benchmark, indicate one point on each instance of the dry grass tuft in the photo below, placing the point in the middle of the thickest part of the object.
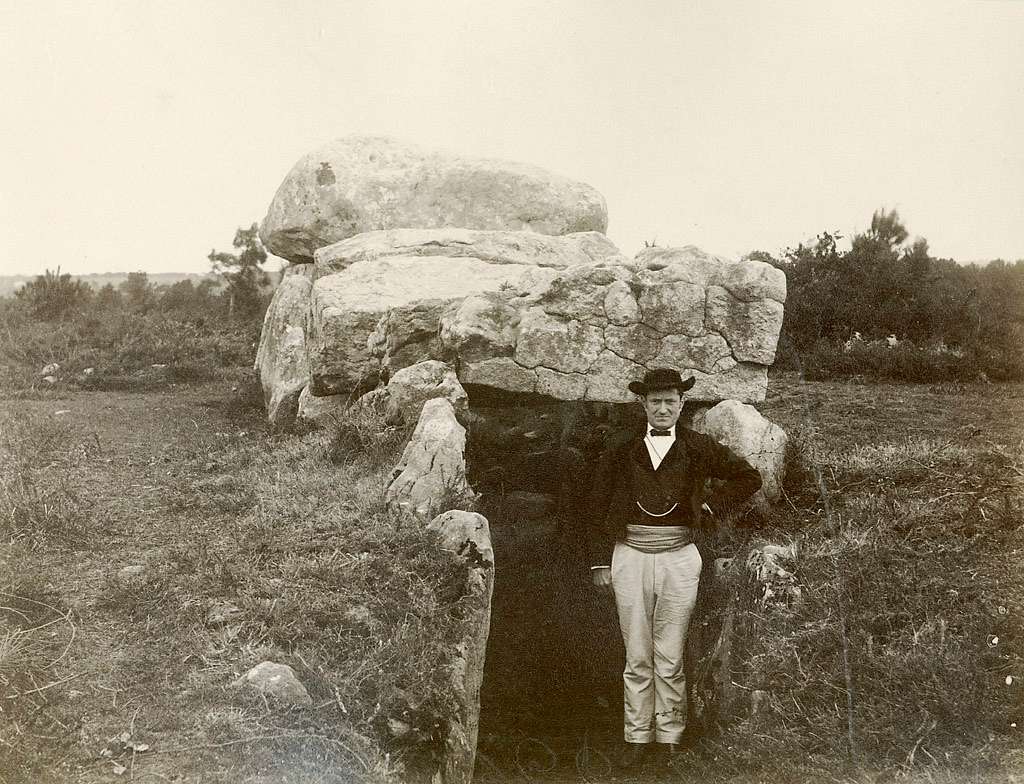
(359, 433)
(36, 636)
(40, 470)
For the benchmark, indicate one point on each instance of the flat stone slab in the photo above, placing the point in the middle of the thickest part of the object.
(585, 332)
(377, 299)
(568, 318)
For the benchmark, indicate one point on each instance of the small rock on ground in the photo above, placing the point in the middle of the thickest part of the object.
(277, 681)
(129, 573)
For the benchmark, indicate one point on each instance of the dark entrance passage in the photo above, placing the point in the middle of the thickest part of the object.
(551, 701)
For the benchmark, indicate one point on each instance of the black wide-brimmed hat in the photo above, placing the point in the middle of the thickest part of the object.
(661, 378)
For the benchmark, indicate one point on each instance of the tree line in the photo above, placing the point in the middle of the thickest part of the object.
(886, 306)
(238, 291)
(136, 335)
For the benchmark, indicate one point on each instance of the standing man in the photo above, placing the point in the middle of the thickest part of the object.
(644, 510)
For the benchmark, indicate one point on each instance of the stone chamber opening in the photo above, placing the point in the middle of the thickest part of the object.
(551, 699)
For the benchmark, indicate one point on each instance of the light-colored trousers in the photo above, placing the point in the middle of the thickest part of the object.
(654, 594)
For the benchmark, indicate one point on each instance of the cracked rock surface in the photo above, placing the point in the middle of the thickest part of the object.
(567, 317)
(467, 534)
(432, 469)
(377, 299)
(584, 332)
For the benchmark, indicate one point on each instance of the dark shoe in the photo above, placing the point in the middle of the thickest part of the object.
(631, 756)
(691, 735)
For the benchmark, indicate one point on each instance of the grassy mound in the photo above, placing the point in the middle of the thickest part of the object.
(907, 646)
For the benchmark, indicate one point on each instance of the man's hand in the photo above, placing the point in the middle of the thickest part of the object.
(602, 579)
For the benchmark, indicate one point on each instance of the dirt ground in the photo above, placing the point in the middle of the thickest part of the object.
(106, 710)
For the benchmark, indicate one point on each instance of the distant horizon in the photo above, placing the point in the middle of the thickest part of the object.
(275, 263)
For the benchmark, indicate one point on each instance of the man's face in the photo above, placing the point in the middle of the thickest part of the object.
(663, 407)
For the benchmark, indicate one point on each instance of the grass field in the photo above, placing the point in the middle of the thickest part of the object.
(112, 678)
(250, 547)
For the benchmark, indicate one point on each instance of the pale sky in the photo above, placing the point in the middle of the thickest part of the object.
(137, 136)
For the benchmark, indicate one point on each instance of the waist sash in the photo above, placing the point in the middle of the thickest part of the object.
(657, 538)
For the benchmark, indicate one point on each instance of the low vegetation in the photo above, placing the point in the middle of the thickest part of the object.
(57, 331)
(40, 504)
(251, 547)
(906, 648)
(107, 342)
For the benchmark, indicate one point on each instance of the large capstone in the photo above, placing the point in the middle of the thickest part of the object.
(586, 331)
(360, 184)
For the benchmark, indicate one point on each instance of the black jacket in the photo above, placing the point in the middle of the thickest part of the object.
(624, 475)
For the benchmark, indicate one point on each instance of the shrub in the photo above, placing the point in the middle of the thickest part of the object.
(912, 363)
(53, 295)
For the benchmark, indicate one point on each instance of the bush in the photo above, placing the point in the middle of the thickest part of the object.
(53, 295)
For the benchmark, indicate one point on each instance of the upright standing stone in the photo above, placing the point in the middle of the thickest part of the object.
(281, 356)
(432, 469)
(468, 534)
(745, 431)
